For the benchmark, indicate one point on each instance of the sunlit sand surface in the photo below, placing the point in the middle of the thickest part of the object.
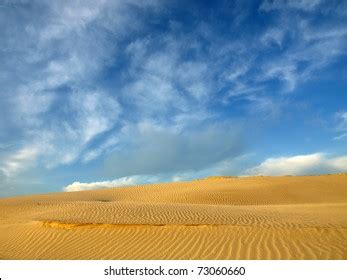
(214, 218)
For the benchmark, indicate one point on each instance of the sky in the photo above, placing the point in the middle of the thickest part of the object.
(99, 94)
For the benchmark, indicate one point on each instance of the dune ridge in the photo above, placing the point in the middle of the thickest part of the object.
(289, 217)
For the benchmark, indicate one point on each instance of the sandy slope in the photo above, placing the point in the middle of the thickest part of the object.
(215, 218)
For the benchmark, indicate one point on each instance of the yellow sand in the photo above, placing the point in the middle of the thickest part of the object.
(214, 218)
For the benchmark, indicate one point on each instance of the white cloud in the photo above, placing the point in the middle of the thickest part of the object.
(107, 145)
(306, 5)
(70, 17)
(18, 161)
(124, 181)
(339, 164)
(341, 137)
(94, 113)
(63, 140)
(305, 41)
(285, 72)
(273, 35)
(262, 105)
(65, 96)
(159, 72)
(51, 81)
(300, 165)
(342, 121)
(341, 126)
(32, 103)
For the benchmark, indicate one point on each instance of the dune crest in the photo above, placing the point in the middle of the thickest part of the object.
(218, 217)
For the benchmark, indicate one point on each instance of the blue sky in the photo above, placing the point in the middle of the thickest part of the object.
(108, 93)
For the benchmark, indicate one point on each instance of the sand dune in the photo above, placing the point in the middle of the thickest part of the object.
(215, 218)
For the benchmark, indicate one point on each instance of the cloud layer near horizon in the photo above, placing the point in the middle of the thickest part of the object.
(300, 165)
(295, 165)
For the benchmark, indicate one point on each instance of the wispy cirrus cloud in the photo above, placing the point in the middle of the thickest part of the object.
(22, 159)
(51, 77)
(342, 121)
(341, 126)
(306, 5)
(126, 82)
(341, 137)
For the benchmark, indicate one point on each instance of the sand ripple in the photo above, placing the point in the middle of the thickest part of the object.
(218, 218)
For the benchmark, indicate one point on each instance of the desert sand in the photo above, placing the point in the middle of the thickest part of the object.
(214, 218)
